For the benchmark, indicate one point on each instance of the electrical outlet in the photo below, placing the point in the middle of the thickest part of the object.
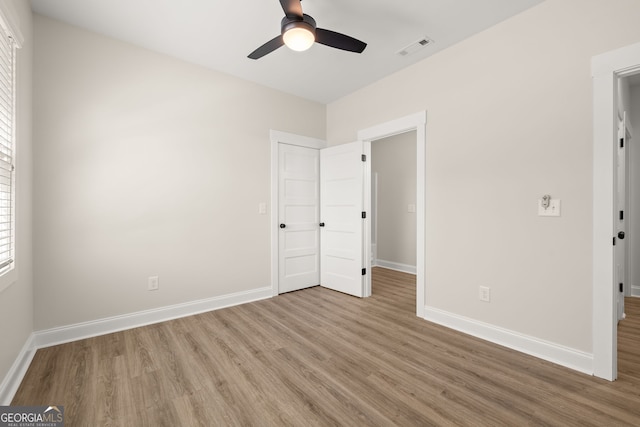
(152, 283)
(484, 294)
(552, 210)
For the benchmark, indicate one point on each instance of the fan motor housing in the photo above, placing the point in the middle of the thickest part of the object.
(306, 22)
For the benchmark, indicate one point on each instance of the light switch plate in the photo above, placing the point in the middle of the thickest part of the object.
(152, 283)
(552, 210)
(484, 293)
(262, 208)
(411, 208)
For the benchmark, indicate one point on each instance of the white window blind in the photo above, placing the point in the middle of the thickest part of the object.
(7, 137)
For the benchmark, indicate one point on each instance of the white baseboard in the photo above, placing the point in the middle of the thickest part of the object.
(64, 334)
(19, 368)
(635, 291)
(405, 268)
(560, 355)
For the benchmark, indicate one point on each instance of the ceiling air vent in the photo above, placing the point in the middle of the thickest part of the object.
(415, 46)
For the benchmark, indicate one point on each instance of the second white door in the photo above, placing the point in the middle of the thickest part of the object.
(341, 207)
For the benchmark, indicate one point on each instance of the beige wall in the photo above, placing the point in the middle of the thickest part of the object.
(509, 118)
(146, 165)
(16, 301)
(394, 160)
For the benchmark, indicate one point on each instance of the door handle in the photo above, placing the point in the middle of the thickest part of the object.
(322, 224)
(282, 226)
(621, 235)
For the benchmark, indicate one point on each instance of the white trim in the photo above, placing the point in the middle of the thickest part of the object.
(278, 137)
(561, 355)
(405, 268)
(418, 123)
(109, 325)
(605, 70)
(393, 127)
(293, 139)
(17, 372)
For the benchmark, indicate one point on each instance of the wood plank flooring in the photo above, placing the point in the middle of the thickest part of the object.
(316, 358)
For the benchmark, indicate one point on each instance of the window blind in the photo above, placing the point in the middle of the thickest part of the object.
(7, 133)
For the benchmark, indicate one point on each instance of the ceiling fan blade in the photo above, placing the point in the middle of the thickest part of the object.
(292, 8)
(266, 48)
(339, 41)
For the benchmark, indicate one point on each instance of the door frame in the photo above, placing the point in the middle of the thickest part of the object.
(606, 69)
(414, 122)
(278, 137)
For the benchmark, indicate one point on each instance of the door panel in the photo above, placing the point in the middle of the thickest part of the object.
(299, 240)
(342, 191)
(620, 251)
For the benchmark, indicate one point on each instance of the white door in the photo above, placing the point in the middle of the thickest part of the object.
(342, 201)
(298, 210)
(620, 251)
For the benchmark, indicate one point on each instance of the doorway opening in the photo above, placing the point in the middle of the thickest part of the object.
(393, 202)
(627, 273)
(415, 125)
(393, 218)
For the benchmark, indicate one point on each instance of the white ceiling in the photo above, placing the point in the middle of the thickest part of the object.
(220, 34)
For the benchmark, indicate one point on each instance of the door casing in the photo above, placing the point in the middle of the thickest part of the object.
(606, 69)
(414, 122)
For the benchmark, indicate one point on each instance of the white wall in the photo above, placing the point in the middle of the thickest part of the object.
(509, 118)
(394, 160)
(146, 165)
(16, 301)
(634, 202)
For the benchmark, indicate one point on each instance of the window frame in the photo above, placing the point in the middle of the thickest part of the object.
(9, 28)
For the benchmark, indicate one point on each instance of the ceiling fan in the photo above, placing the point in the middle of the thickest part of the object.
(299, 32)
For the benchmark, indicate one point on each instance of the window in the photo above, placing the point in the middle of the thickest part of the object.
(7, 149)
(10, 40)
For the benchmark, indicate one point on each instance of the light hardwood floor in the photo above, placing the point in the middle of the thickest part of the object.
(318, 357)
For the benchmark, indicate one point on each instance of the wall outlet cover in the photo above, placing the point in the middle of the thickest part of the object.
(153, 283)
(484, 294)
(552, 210)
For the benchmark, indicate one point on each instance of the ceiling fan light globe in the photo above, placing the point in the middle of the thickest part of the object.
(298, 38)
